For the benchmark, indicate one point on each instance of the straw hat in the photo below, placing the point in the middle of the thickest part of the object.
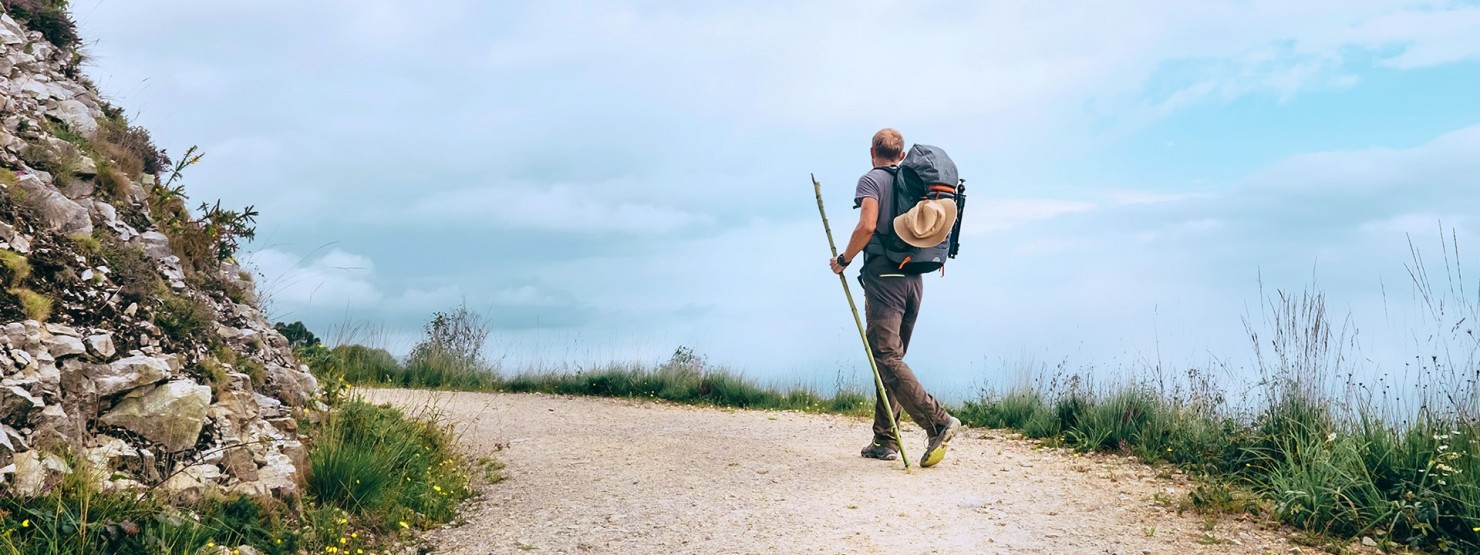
(927, 224)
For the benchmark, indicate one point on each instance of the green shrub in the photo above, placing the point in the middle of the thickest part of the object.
(48, 17)
(183, 319)
(363, 364)
(135, 274)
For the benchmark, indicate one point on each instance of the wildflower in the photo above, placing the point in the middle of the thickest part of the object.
(343, 540)
(355, 535)
(26, 523)
(404, 525)
(437, 488)
(209, 543)
(1331, 438)
(344, 521)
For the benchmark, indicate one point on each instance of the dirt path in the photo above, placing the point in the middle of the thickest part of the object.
(592, 475)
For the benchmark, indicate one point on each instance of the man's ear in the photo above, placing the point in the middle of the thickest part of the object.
(871, 154)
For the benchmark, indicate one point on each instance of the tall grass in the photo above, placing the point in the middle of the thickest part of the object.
(373, 462)
(1323, 450)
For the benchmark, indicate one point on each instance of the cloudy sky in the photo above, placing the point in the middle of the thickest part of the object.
(609, 180)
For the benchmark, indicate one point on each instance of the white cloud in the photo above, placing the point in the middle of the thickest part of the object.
(552, 208)
(997, 214)
(334, 279)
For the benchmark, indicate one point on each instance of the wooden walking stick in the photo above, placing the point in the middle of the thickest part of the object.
(848, 291)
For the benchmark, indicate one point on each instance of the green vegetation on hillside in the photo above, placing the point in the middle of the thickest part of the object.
(376, 476)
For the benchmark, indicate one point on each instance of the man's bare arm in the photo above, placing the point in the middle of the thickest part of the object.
(868, 220)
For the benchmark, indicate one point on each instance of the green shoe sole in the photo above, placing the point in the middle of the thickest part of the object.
(934, 457)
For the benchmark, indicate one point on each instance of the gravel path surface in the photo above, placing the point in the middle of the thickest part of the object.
(588, 475)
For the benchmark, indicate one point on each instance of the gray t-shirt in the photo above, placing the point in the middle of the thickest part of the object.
(877, 184)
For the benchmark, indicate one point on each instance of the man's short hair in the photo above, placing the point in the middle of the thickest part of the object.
(888, 144)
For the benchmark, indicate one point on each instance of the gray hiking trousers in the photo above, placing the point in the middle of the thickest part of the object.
(892, 301)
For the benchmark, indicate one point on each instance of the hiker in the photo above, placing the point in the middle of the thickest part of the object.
(892, 295)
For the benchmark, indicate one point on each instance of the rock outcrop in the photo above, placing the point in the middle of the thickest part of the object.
(128, 351)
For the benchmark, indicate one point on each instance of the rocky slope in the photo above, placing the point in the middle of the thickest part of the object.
(130, 346)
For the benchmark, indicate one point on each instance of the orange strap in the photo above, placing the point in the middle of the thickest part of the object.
(906, 261)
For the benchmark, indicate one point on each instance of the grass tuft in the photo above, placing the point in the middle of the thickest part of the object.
(35, 305)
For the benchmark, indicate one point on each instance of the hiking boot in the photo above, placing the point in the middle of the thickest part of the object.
(881, 452)
(935, 449)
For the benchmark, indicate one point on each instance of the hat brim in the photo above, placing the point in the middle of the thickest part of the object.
(936, 237)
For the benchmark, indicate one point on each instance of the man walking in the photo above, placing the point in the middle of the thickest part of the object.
(891, 303)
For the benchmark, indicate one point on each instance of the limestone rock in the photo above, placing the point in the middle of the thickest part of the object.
(57, 212)
(75, 114)
(60, 329)
(171, 415)
(81, 392)
(86, 167)
(36, 473)
(106, 215)
(54, 430)
(156, 245)
(238, 462)
(61, 346)
(80, 190)
(17, 403)
(109, 453)
(130, 373)
(279, 477)
(269, 407)
(190, 484)
(22, 358)
(11, 32)
(12, 440)
(101, 345)
(294, 386)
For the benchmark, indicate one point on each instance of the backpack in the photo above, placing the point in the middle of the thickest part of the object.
(926, 173)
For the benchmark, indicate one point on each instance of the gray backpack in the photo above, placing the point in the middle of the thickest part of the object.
(926, 173)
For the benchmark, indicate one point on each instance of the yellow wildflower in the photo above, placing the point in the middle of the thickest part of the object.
(404, 525)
